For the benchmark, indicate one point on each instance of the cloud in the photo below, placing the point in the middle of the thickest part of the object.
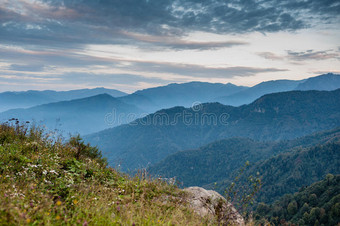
(312, 55)
(31, 67)
(95, 79)
(53, 57)
(198, 71)
(80, 22)
(181, 44)
(307, 55)
(68, 61)
(270, 56)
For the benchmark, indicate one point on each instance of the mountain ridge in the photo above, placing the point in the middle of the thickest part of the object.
(276, 116)
(82, 116)
(25, 99)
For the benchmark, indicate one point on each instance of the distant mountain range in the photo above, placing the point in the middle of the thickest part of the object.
(326, 82)
(86, 115)
(275, 116)
(185, 94)
(249, 95)
(142, 102)
(12, 100)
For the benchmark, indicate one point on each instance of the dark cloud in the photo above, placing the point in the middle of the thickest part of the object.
(93, 21)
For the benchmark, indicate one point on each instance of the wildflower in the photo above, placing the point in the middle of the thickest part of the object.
(59, 203)
(75, 202)
(28, 220)
(54, 172)
(85, 223)
(57, 217)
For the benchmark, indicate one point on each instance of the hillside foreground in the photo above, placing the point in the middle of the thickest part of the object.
(48, 181)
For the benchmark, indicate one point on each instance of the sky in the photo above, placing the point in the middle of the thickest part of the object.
(136, 44)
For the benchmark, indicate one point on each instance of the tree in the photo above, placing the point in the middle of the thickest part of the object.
(292, 208)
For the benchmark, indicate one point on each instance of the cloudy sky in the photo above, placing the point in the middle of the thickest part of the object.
(135, 44)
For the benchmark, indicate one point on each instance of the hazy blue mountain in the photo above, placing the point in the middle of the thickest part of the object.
(141, 102)
(217, 161)
(272, 117)
(25, 99)
(86, 115)
(249, 95)
(322, 82)
(328, 82)
(186, 94)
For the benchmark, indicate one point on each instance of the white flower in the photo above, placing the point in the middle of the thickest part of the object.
(54, 172)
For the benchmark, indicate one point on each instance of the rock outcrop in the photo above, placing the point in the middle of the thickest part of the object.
(209, 202)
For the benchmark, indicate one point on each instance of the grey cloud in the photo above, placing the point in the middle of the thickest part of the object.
(94, 79)
(312, 55)
(30, 67)
(270, 56)
(176, 43)
(51, 57)
(81, 79)
(87, 21)
(70, 59)
(197, 71)
(306, 55)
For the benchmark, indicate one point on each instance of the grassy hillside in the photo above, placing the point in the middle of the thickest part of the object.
(272, 117)
(44, 182)
(318, 204)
